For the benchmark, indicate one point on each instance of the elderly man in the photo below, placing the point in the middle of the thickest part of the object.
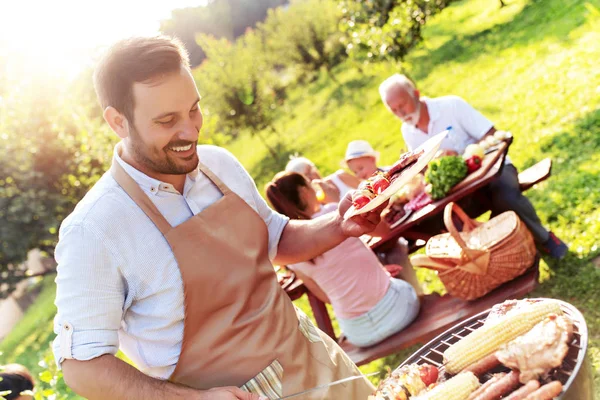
(334, 187)
(169, 258)
(424, 117)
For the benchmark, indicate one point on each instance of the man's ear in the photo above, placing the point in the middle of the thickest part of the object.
(117, 121)
(417, 94)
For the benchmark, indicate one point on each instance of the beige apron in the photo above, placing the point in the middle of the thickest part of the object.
(240, 328)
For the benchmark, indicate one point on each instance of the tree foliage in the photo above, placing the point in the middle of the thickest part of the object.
(377, 30)
(304, 36)
(243, 83)
(51, 152)
(227, 19)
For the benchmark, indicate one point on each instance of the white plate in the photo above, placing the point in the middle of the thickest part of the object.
(430, 147)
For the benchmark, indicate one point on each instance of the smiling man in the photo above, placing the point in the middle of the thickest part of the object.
(169, 258)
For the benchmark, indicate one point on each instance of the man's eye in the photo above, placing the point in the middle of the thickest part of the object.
(167, 122)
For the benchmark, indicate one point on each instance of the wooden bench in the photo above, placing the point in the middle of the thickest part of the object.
(437, 314)
(535, 174)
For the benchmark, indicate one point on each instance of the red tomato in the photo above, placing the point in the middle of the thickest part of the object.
(380, 184)
(473, 163)
(360, 201)
(429, 374)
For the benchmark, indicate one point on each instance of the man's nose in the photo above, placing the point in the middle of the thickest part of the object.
(189, 131)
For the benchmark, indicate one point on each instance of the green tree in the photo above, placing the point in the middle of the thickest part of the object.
(238, 86)
(304, 36)
(377, 30)
(227, 19)
(51, 152)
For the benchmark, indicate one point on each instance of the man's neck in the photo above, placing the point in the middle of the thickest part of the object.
(178, 181)
(423, 123)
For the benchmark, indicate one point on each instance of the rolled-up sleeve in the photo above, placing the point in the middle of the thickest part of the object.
(90, 296)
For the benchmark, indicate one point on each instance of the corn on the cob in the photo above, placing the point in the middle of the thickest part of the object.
(489, 338)
(456, 388)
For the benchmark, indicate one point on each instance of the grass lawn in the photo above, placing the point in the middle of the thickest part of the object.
(531, 67)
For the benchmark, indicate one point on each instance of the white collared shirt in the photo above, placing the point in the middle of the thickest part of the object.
(468, 125)
(118, 283)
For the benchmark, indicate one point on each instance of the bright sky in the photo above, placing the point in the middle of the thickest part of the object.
(60, 36)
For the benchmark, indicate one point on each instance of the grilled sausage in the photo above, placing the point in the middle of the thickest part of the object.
(501, 387)
(484, 365)
(495, 378)
(546, 392)
(524, 391)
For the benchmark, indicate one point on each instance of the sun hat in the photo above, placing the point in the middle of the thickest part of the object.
(358, 149)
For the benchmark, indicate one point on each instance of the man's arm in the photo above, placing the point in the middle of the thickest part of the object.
(107, 377)
(304, 240)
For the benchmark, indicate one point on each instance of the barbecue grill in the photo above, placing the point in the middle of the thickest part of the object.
(575, 372)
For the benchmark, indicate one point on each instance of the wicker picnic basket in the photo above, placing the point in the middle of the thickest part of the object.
(483, 256)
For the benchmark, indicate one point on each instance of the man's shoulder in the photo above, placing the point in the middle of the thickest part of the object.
(446, 101)
(210, 155)
(221, 162)
(103, 204)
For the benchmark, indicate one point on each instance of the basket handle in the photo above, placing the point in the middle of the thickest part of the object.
(423, 261)
(479, 259)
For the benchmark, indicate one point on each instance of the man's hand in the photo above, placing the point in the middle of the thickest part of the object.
(359, 224)
(229, 393)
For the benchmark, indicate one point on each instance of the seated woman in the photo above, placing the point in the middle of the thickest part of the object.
(334, 186)
(15, 382)
(368, 303)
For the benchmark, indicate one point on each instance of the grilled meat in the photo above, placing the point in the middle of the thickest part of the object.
(406, 160)
(540, 350)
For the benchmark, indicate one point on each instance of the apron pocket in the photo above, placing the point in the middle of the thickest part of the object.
(308, 329)
(269, 382)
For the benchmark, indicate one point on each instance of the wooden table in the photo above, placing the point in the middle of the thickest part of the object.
(410, 229)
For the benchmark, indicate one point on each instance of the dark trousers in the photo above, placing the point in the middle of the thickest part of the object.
(505, 195)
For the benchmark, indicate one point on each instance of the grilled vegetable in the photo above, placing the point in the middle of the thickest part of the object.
(379, 184)
(429, 374)
(456, 388)
(487, 339)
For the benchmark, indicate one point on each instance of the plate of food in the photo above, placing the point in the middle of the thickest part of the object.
(380, 187)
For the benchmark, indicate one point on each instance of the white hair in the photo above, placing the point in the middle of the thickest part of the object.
(298, 164)
(394, 81)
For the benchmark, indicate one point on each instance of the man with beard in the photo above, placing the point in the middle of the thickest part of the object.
(168, 258)
(424, 117)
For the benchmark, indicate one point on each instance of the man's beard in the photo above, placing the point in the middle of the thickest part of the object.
(412, 119)
(159, 160)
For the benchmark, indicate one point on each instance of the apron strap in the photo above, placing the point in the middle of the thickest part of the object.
(214, 179)
(139, 197)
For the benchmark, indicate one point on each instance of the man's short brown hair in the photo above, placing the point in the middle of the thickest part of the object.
(134, 60)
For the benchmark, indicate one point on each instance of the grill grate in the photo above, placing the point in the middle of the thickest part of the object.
(432, 352)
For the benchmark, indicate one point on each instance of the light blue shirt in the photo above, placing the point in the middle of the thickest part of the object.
(118, 283)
